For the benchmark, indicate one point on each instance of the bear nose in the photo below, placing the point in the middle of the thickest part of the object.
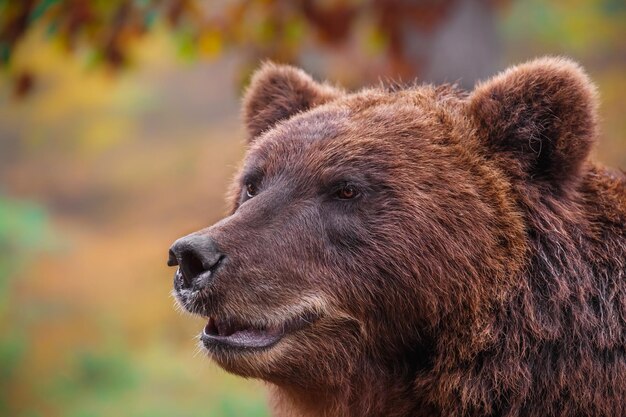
(197, 258)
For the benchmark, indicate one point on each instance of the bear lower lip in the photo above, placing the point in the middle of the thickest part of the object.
(238, 336)
(231, 334)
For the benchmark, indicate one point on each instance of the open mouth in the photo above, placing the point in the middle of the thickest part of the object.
(230, 333)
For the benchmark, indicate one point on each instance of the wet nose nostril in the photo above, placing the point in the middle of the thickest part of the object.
(191, 266)
(172, 260)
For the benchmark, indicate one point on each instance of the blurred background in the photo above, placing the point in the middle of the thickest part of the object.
(119, 130)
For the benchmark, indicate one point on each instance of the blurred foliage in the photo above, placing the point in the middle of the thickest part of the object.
(575, 27)
(24, 231)
(105, 31)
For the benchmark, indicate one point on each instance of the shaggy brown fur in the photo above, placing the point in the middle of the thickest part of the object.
(442, 253)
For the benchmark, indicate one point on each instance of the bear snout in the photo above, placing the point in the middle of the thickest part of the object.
(198, 259)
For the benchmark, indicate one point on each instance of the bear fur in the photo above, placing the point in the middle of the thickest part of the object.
(452, 253)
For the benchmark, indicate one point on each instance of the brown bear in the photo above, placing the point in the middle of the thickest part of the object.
(419, 251)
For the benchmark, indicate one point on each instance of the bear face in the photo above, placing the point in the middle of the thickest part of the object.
(312, 240)
(371, 231)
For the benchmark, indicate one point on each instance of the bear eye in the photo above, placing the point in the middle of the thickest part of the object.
(346, 192)
(251, 190)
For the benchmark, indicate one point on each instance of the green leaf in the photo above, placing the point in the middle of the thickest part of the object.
(5, 53)
(150, 18)
(41, 8)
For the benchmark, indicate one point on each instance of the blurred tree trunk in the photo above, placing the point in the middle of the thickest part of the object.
(463, 48)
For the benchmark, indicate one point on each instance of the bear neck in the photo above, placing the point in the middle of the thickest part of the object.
(371, 391)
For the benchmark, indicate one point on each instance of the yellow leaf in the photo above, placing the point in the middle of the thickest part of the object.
(210, 43)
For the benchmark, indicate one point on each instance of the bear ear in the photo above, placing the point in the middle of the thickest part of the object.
(542, 114)
(277, 92)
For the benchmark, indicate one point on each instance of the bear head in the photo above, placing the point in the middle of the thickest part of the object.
(366, 226)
